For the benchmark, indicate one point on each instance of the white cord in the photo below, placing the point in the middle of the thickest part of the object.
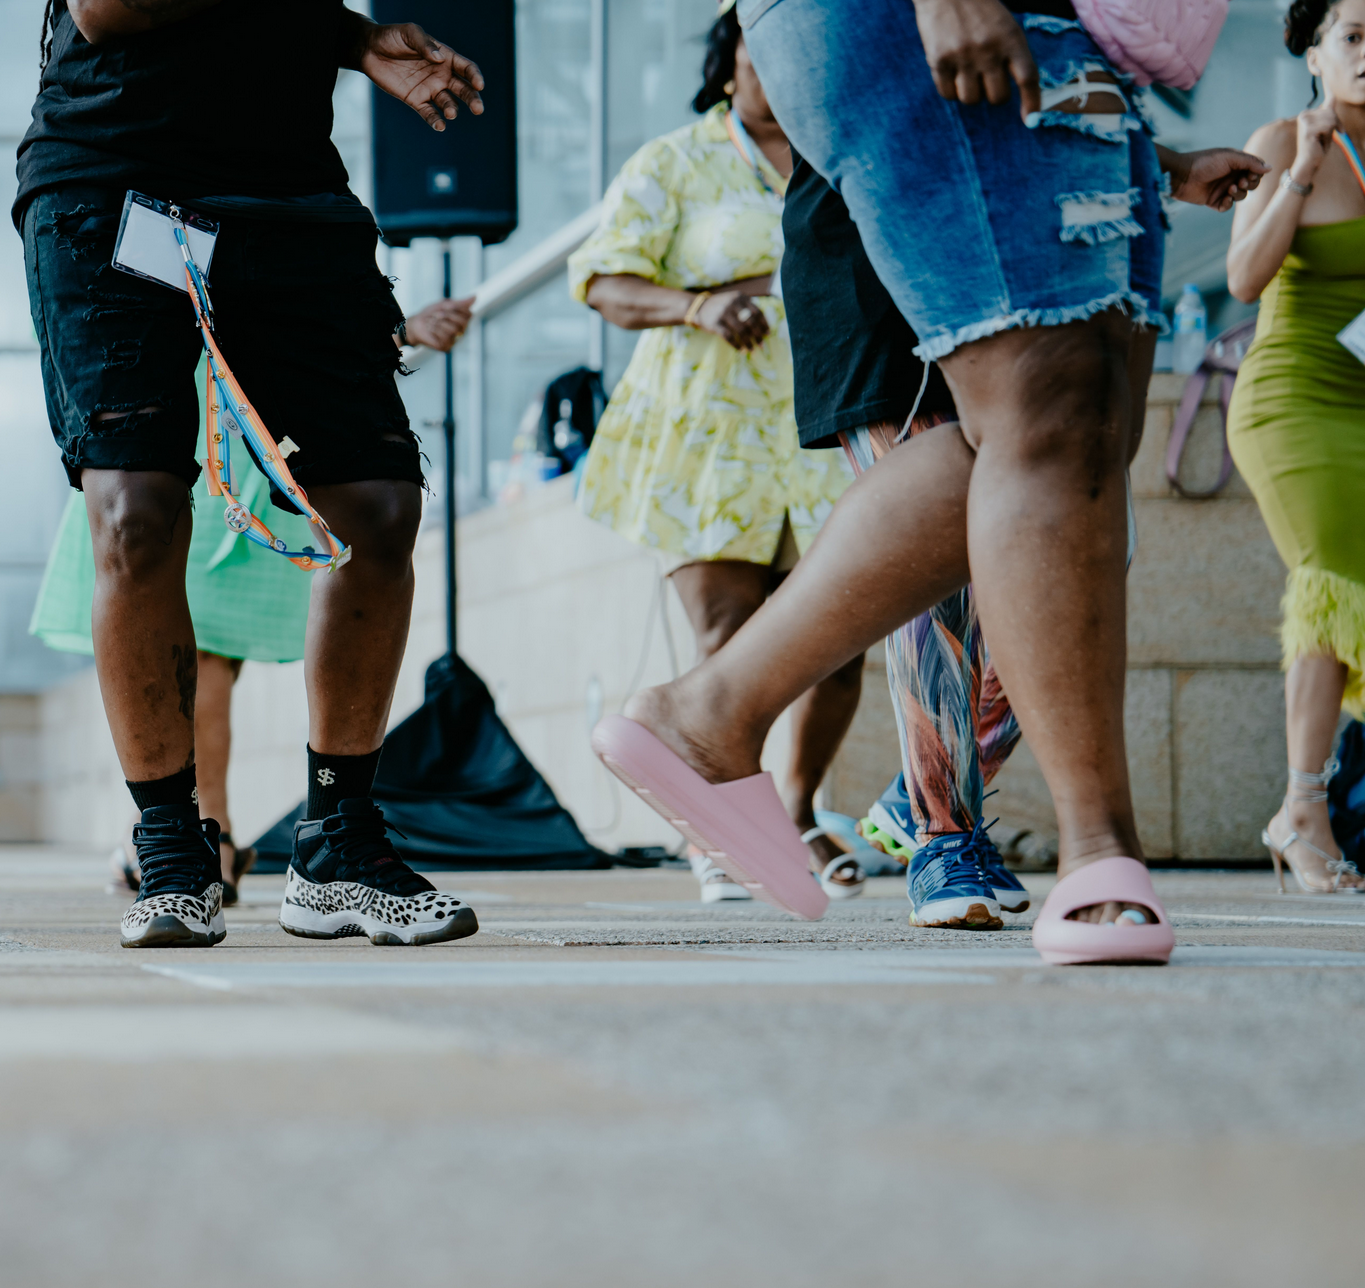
(919, 398)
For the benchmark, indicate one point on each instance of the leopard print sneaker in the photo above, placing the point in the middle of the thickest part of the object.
(345, 878)
(180, 897)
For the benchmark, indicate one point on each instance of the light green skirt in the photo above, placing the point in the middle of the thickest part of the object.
(245, 601)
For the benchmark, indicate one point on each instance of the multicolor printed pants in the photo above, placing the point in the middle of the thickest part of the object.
(956, 726)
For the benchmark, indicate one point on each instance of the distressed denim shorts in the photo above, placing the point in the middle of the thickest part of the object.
(303, 316)
(974, 221)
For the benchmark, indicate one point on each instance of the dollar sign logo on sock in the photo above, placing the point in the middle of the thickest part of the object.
(326, 777)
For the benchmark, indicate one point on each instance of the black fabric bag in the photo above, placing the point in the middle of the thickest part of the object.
(574, 403)
(1346, 794)
(454, 781)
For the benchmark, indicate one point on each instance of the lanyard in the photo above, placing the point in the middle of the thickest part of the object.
(223, 394)
(745, 147)
(1352, 156)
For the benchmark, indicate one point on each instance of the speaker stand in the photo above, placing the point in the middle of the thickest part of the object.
(448, 426)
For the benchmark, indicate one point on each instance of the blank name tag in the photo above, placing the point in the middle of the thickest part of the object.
(146, 245)
(1352, 335)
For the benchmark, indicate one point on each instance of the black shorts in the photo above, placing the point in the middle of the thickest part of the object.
(303, 316)
(851, 348)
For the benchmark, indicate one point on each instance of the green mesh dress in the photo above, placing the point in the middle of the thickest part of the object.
(245, 601)
(1296, 428)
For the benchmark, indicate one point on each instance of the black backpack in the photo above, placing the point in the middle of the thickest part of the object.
(574, 403)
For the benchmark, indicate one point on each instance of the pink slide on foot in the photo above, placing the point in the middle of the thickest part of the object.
(1070, 943)
(740, 826)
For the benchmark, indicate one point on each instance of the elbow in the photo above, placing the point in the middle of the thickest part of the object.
(86, 15)
(1241, 289)
(93, 20)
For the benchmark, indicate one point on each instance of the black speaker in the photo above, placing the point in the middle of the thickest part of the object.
(461, 182)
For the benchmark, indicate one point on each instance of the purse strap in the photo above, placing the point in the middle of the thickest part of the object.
(1223, 356)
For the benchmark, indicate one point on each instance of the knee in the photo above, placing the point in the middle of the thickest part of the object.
(137, 528)
(382, 530)
(849, 677)
(1072, 404)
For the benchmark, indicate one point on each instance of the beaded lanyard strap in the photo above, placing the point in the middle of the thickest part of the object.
(224, 395)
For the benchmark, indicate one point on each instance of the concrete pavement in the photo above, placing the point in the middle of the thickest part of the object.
(612, 1084)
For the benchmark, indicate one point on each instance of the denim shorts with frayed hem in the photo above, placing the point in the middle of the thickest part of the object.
(303, 316)
(975, 221)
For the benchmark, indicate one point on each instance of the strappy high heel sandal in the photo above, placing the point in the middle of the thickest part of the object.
(1310, 789)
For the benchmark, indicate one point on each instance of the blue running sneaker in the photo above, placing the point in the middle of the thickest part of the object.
(891, 829)
(1009, 890)
(949, 887)
(888, 824)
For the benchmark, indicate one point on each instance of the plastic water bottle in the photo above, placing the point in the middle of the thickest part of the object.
(1191, 331)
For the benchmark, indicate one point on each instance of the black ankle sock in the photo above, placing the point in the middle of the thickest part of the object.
(175, 789)
(333, 779)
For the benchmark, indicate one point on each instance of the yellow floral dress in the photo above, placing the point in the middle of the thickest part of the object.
(697, 455)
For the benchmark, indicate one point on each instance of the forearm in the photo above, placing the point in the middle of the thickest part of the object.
(634, 304)
(1255, 257)
(351, 38)
(99, 20)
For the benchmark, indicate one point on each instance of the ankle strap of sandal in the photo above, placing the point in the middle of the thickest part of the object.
(1312, 788)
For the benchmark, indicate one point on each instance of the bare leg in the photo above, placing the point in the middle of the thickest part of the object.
(213, 744)
(719, 596)
(821, 717)
(358, 617)
(1312, 691)
(1034, 485)
(144, 640)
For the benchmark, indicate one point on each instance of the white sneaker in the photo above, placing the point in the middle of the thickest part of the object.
(715, 881)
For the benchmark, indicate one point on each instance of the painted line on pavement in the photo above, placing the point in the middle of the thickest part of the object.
(1247, 919)
(791, 970)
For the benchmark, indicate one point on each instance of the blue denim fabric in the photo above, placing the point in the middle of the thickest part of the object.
(974, 221)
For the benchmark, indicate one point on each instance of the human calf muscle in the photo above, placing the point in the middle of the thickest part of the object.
(145, 654)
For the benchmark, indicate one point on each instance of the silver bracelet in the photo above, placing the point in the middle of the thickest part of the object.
(1288, 183)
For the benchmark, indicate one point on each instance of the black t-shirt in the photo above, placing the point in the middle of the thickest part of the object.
(236, 99)
(852, 353)
(1051, 8)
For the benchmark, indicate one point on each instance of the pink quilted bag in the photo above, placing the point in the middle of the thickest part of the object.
(1155, 40)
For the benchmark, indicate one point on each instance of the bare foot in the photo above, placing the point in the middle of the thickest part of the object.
(1101, 913)
(686, 721)
(227, 856)
(824, 850)
(1313, 824)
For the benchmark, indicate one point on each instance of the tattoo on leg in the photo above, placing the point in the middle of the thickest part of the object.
(186, 677)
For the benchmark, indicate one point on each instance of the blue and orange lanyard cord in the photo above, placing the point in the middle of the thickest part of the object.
(224, 398)
(1352, 156)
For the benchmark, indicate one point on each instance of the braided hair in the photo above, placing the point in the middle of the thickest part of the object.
(718, 67)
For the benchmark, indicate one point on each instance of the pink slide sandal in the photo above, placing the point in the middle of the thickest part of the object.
(740, 826)
(1070, 943)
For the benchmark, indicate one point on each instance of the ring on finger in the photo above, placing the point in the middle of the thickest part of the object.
(745, 313)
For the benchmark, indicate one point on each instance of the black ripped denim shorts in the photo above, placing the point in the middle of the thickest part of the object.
(302, 314)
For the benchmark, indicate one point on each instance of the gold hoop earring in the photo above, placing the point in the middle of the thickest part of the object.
(730, 87)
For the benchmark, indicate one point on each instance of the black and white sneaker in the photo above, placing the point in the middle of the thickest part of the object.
(345, 878)
(180, 896)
